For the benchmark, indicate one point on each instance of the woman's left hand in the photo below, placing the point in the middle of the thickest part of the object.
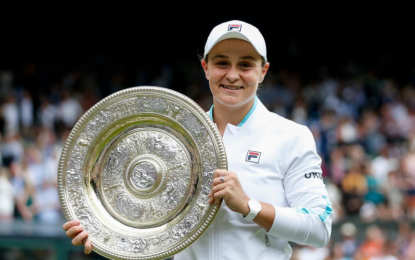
(226, 186)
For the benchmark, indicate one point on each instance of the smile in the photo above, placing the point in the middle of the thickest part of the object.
(231, 87)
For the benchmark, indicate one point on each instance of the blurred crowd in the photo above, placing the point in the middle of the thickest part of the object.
(363, 124)
(375, 243)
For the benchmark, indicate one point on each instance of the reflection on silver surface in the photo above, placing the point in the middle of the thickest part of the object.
(137, 170)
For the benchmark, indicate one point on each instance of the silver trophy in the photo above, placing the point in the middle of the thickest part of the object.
(137, 169)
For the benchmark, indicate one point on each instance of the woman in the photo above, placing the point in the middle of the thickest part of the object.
(273, 192)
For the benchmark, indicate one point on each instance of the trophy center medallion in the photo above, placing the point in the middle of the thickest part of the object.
(144, 175)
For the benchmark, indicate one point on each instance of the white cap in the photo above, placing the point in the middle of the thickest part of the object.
(236, 29)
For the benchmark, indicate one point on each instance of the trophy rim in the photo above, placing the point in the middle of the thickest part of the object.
(81, 123)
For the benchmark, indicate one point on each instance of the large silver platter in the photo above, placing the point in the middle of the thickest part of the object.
(137, 169)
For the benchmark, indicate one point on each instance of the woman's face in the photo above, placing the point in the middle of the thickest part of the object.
(234, 70)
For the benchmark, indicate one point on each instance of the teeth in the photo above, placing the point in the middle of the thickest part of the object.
(232, 88)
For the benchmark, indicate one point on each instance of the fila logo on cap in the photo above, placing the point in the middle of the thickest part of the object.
(234, 27)
(253, 156)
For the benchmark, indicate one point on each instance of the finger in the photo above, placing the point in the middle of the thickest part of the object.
(219, 180)
(74, 231)
(216, 201)
(218, 193)
(88, 246)
(77, 241)
(213, 200)
(218, 187)
(219, 172)
(70, 224)
(218, 197)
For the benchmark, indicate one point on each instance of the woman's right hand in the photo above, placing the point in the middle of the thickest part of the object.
(79, 236)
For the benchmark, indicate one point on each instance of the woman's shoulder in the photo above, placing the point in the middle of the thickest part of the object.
(286, 124)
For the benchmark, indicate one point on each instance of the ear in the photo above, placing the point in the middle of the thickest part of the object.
(205, 68)
(264, 72)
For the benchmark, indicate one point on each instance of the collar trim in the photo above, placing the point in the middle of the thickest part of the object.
(245, 118)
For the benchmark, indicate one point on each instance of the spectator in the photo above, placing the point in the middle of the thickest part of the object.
(7, 196)
(389, 252)
(26, 108)
(299, 113)
(47, 204)
(10, 114)
(374, 244)
(337, 166)
(409, 252)
(382, 165)
(6, 82)
(47, 114)
(1, 156)
(369, 132)
(375, 197)
(408, 172)
(12, 149)
(347, 131)
(35, 167)
(69, 109)
(395, 194)
(354, 187)
(349, 242)
(24, 201)
(337, 253)
(403, 238)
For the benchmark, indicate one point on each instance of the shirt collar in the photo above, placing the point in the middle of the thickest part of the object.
(246, 116)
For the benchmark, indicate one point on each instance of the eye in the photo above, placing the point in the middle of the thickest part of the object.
(222, 63)
(245, 65)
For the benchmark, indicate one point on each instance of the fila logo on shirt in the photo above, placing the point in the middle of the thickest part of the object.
(253, 156)
(234, 27)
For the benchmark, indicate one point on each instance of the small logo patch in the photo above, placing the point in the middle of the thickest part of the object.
(234, 27)
(253, 156)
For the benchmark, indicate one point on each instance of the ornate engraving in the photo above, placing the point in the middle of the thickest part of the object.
(117, 159)
(192, 124)
(76, 198)
(151, 104)
(162, 147)
(173, 193)
(144, 175)
(124, 205)
(73, 177)
(159, 241)
(123, 109)
(132, 245)
(146, 156)
(202, 200)
(75, 161)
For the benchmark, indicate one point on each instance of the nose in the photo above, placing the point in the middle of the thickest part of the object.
(232, 74)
